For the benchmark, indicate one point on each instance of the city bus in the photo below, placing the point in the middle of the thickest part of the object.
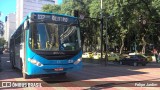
(46, 44)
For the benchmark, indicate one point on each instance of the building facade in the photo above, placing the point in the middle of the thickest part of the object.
(9, 26)
(1, 28)
(24, 7)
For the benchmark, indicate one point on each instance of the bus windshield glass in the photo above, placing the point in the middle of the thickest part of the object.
(54, 37)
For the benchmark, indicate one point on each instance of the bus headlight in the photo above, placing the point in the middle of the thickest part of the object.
(79, 60)
(35, 62)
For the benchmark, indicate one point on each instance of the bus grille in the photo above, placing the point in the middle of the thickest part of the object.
(54, 55)
(59, 57)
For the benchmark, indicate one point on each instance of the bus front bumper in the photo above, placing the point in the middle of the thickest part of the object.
(51, 69)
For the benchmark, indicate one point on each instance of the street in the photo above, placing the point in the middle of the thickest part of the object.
(91, 77)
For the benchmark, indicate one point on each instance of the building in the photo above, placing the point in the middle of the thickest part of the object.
(23, 7)
(9, 26)
(1, 28)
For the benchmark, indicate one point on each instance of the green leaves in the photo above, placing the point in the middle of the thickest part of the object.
(51, 8)
(124, 25)
(2, 42)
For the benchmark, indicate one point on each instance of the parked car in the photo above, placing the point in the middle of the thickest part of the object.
(97, 55)
(134, 60)
(87, 55)
(113, 57)
(149, 58)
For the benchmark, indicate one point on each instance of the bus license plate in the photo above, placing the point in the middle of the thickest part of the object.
(58, 69)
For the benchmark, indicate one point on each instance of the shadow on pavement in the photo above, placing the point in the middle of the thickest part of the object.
(89, 71)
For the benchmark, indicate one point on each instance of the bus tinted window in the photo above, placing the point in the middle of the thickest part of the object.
(54, 37)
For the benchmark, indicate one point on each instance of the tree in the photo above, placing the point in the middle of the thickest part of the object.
(51, 8)
(135, 22)
(2, 42)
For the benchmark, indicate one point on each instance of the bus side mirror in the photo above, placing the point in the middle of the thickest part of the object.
(26, 25)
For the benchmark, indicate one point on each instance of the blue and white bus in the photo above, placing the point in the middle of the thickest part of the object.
(46, 43)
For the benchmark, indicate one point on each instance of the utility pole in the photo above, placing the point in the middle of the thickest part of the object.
(106, 56)
(101, 30)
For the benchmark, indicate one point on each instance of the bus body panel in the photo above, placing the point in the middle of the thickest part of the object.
(17, 59)
(49, 65)
(26, 56)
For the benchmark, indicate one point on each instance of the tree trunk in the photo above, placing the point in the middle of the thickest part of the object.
(144, 44)
(158, 38)
(122, 45)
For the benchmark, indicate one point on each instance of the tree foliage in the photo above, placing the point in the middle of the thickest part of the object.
(51, 8)
(134, 23)
(2, 42)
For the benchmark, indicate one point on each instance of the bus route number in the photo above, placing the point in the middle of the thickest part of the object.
(41, 16)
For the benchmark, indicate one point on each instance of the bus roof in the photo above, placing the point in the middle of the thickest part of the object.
(50, 14)
(42, 13)
(50, 17)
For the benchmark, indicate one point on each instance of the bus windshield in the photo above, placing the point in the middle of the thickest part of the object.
(54, 37)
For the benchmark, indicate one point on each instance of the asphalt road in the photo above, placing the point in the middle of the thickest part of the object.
(91, 77)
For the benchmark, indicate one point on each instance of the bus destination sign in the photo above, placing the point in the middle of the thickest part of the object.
(53, 17)
(61, 19)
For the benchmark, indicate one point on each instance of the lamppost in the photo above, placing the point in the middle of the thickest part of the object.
(106, 60)
(101, 28)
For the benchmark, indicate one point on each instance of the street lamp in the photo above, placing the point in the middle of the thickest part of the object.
(101, 27)
(106, 61)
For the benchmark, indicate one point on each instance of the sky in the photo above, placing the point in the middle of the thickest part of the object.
(9, 6)
(6, 7)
